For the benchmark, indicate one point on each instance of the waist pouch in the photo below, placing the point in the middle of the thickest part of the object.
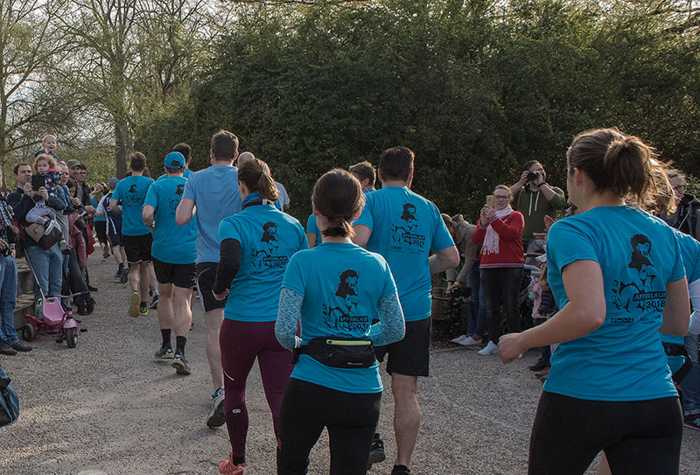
(340, 352)
(679, 350)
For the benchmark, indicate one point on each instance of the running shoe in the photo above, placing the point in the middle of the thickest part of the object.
(118, 274)
(143, 309)
(181, 366)
(165, 353)
(216, 415)
(376, 450)
(459, 340)
(692, 422)
(490, 349)
(539, 365)
(124, 278)
(400, 470)
(134, 303)
(154, 302)
(227, 467)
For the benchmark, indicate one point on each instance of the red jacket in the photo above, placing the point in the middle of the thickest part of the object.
(510, 243)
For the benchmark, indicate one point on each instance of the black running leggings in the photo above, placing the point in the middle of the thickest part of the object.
(639, 438)
(350, 418)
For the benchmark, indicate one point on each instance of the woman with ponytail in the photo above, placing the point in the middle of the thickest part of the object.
(617, 274)
(335, 291)
(256, 245)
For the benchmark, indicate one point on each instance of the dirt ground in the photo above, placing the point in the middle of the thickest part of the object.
(107, 408)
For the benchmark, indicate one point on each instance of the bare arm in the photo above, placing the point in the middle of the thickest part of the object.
(585, 313)
(184, 212)
(362, 235)
(442, 260)
(515, 189)
(311, 238)
(677, 309)
(147, 215)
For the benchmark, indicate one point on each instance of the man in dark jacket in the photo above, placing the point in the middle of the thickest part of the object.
(687, 215)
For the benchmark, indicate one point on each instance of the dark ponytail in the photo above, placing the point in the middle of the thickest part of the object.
(617, 163)
(338, 196)
(255, 175)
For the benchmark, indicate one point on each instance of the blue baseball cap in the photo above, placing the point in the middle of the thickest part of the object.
(174, 160)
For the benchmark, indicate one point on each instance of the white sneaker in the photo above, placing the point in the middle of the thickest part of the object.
(460, 340)
(469, 341)
(490, 349)
(216, 415)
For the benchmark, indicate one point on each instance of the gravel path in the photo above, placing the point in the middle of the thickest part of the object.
(108, 408)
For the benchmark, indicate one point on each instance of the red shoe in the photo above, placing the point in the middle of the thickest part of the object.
(227, 467)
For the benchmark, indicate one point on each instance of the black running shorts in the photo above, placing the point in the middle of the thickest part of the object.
(180, 275)
(206, 275)
(410, 356)
(137, 248)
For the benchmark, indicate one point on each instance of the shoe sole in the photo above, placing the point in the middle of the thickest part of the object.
(217, 419)
(134, 303)
(181, 369)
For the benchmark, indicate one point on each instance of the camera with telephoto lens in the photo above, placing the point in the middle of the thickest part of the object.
(532, 176)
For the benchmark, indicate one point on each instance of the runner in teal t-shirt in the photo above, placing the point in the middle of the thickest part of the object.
(130, 193)
(333, 292)
(618, 277)
(256, 245)
(174, 254)
(409, 232)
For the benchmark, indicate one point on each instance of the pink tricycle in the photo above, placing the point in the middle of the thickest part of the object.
(56, 319)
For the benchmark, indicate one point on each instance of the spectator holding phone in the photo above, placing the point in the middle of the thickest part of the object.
(499, 233)
(535, 199)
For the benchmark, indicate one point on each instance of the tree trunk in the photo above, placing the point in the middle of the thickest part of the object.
(124, 145)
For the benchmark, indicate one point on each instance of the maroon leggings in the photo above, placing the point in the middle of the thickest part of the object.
(241, 343)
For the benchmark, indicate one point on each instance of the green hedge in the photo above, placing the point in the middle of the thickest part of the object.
(475, 90)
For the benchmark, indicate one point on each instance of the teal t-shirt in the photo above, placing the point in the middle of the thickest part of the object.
(342, 285)
(639, 255)
(130, 192)
(312, 228)
(268, 239)
(690, 252)
(406, 228)
(172, 243)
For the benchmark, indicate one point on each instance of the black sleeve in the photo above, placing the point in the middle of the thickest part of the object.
(229, 264)
(22, 208)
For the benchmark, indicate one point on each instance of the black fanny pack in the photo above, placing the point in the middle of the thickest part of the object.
(340, 352)
(673, 349)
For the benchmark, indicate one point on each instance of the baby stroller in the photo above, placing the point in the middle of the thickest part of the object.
(54, 318)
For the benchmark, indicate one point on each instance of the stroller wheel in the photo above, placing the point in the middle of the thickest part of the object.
(72, 337)
(28, 332)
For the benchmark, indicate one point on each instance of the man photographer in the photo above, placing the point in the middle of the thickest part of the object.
(535, 199)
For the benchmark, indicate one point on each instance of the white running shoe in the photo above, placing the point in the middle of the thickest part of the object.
(490, 349)
(460, 339)
(216, 415)
(471, 342)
